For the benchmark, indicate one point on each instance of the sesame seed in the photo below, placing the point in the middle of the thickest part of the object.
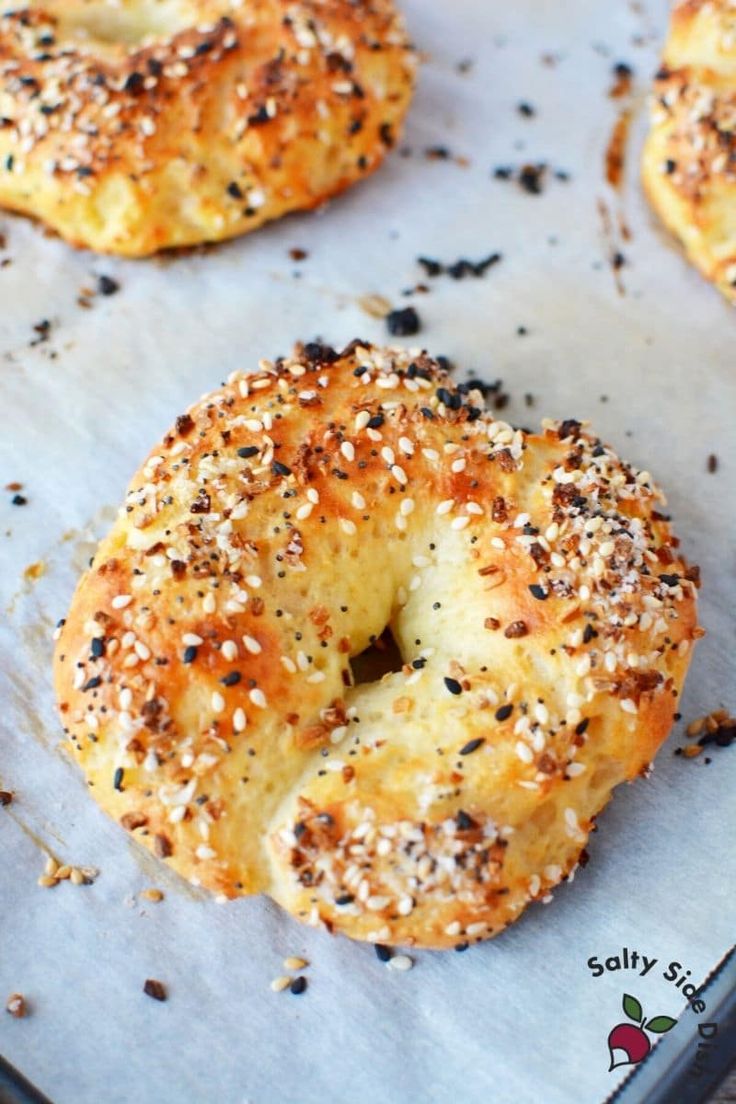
(472, 745)
(218, 702)
(120, 601)
(295, 963)
(400, 962)
(258, 697)
(298, 986)
(251, 645)
(280, 983)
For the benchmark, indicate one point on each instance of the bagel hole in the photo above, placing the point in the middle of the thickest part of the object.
(380, 658)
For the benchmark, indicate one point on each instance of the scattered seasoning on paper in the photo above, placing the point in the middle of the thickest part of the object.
(461, 268)
(526, 110)
(155, 989)
(383, 954)
(400, 962)
(297, 254)
(42, 330)
(19, 500)
(6, 797)
(377, 306)
(107, 286)
(712, 464)
(280, 983)
(717, 729)
(403, 323)
(55, 873)
(295, 963)
(16, 1006)
(152, 894)
(531, 177)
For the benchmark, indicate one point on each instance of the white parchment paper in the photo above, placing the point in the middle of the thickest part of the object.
(521, 1018)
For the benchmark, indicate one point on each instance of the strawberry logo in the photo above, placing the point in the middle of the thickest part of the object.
(628, 1043)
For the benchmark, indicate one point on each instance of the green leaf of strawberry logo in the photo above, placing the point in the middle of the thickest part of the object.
(634, 1011)
(660, 1024)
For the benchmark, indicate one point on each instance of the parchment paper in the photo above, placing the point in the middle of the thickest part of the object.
(521, 1018)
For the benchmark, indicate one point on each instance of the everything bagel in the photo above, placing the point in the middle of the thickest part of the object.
(537, 596)
(689, 160)
(134, 126)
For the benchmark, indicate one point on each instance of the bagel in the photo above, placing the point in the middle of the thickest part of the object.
(689, 159)
(542, 610)
(130, 126)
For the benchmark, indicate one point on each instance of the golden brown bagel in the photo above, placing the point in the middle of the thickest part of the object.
(133, 126)
(689, 161)
(543, 613)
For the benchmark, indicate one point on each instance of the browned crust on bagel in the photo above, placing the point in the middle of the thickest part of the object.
(689, 160)
(543, 610)
(201, 136)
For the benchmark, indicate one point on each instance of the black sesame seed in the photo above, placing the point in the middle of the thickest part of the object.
(383, 954)
(582, 726)
(117, 779)
(471, 746)
(464, 822)
(18, 500)
(403, 323)
(107, 286)
(247, 451)
(504, 712)
(344, 899)
(233, 189)
(190, 653)
(375, 421)
(231, 679)
(280, 469)
(538, 592)
(453, 685)
(298, 986)
(670, 580)
(92, 683)
(97, 647)
(460, 947)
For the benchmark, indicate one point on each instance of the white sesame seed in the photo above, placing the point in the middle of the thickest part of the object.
(407, 506)
(571, 818)
(454, 928)
(358, 500)
(362, 419)
(218, 702)
(209, 605)
(239, 720)
(348, 450)
(251, 645)
(348, 527)
(400, 962)
(191, 639)
(295, 963)
(458, 465)
(280, 983)
(629, 706)
(120, 601)
(229, 650)
(258, 697)
(460, 522)
(204, 852)
(254, 581)
(524, 752)
(445, 506)
(313, 495)
(304, 511)
(399, 474)
(406, 446)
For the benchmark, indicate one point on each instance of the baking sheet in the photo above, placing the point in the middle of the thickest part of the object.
(521, 1018)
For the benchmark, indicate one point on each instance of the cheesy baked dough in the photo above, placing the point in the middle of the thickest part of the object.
(541, 607)
(131, 126)
(689, 161)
